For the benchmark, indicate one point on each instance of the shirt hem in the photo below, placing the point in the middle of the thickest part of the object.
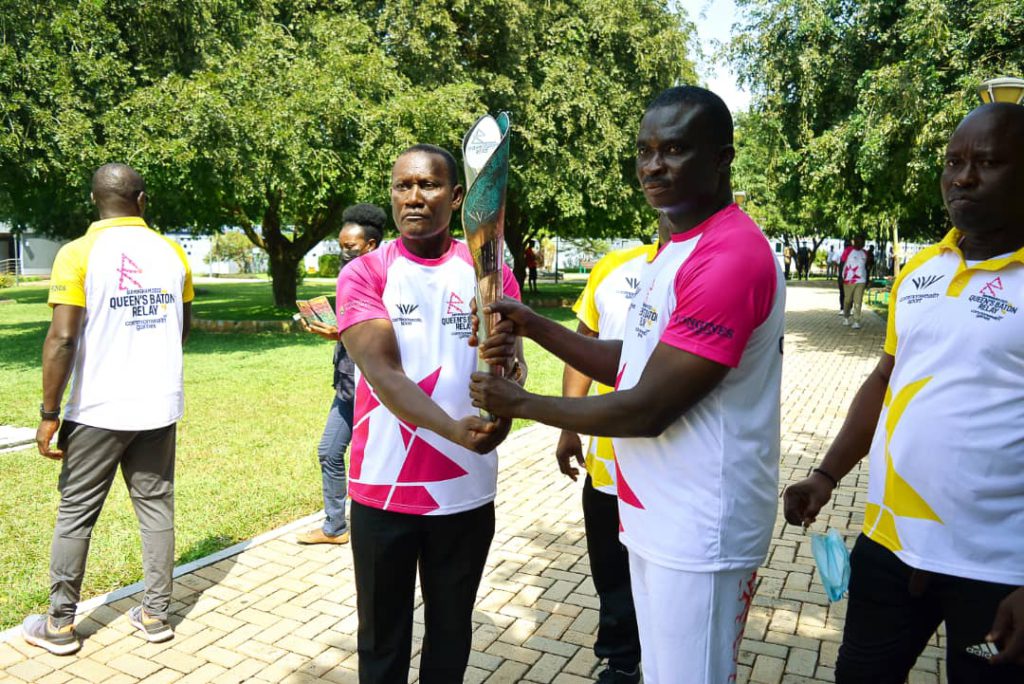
(703, 351)
(690, 564)
(103, 425)
(971, 573)
(420, 510)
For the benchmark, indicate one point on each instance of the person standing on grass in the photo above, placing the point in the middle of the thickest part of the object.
(423, 470)
(601, 310)
(531, 265)
(942, 419)
(695, 414)
(121, 298)
(855, 279)
(362, 228)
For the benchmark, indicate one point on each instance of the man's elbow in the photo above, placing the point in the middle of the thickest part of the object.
(650, 422)
(62, 343)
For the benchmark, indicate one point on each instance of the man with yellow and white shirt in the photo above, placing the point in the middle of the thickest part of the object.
(942, 417)
(602, 309)
(121, 298)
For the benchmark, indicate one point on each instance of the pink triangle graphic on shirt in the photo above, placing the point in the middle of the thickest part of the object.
(411, 499)
(365, 401)
(626, 494)
(368, 494)
(427, 384)
(618, 378)
(359, 436)
(424, 463)
(406, 433)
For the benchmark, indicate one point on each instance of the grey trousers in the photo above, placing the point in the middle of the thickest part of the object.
(91, 458)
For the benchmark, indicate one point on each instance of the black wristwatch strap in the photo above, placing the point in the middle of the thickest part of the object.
(48, 415)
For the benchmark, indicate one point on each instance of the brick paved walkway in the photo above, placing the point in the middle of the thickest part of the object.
(282, 612)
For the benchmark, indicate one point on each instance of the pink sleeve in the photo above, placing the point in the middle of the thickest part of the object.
(510, 284)
(720, 300)
(360, 288)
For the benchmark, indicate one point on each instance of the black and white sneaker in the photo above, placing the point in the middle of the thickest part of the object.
(37, 630)
(153, 629)
(612, 675)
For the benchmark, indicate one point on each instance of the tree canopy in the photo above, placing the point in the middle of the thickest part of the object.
(273, 115)
(853, 103)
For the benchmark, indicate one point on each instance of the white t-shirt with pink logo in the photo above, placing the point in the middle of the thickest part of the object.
(702, 496)
(856, 268)
(394, 465)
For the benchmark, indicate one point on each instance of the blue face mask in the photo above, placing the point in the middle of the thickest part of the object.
(833, 561)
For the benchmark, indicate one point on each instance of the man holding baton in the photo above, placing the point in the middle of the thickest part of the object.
(696, 406)
(423, 470)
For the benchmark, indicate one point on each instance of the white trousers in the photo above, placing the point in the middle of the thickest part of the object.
(691, 623)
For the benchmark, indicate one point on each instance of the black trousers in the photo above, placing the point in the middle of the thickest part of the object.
(841, 293)
(618, 639)
(450, 551)
(894, 611)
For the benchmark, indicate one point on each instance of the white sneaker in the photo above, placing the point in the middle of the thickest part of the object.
(855, 326)
(846, 321)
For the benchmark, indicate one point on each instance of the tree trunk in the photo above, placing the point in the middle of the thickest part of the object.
(516, 241)
(283, 265)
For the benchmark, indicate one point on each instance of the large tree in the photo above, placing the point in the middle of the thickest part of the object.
(575, 76)
(279, 136)
(853, 103)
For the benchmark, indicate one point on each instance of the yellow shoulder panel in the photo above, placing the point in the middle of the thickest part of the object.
(67, 278)
(915, 262)
(585, 307)
(187, 292)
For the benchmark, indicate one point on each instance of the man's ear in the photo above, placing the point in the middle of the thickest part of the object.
(371, 244)
(726, 155)
(140, 201)
(92, 198)
(458, 194)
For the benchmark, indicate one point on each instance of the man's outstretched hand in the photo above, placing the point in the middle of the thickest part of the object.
(498, 396)
(802, 501)
(475, 434)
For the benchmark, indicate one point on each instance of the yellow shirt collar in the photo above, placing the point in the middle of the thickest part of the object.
(117, 222)
(952, 240)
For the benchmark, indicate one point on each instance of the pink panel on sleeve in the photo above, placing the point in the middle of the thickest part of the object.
(361, 287)
(724, 291)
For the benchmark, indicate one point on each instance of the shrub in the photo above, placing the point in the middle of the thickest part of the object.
(330, 265)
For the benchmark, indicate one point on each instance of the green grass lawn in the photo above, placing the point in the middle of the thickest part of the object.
(255, 406)
(254, 301)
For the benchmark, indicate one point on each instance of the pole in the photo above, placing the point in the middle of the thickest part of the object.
(896, 251)
(556, 260)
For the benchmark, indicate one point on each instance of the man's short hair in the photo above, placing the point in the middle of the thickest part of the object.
(369, 217)
(116, 182)
(719, 118)
(449, 160)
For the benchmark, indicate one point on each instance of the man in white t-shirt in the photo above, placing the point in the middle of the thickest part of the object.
(855, 279)
(121, 298)
(695, 414)
(942, 417)
(602, 309)
(423, 470)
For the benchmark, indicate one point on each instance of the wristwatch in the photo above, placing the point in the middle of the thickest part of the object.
(48, 415)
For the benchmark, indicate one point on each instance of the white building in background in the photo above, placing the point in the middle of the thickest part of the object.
(29, 253)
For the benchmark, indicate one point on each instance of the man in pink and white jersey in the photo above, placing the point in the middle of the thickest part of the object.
(695, 414)
(423, 470)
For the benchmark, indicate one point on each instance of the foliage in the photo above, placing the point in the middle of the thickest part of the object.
(6, 280)
(575, 76)
(329, 265)
(272, 115)
(853, 103)
(233, 247)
